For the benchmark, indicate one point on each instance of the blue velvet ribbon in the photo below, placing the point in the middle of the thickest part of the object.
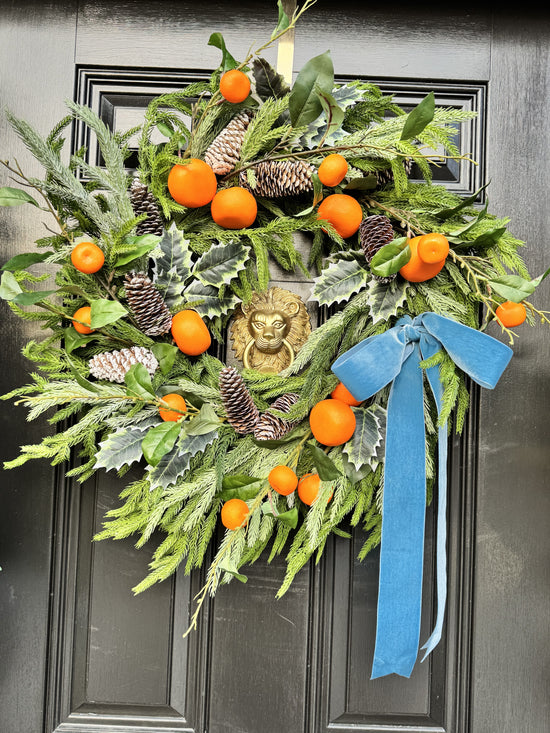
(394, 356)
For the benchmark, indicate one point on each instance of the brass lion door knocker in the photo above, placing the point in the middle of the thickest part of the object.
(269, 331)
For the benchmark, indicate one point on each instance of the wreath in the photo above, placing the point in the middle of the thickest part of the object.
(154, 266)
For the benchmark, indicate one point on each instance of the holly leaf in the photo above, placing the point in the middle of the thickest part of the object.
(419, 117)
(339, 281)
(159, 441)
(325, 467)
(304, 104)
(208, 302)
(121, 448)
(364, 447)
(221, 264)
(391, 257)
(105, 312)
(173, 266)
(385, 299)
(165, 354)
(269, 83)
(228, 62)
(138, 382)
(26, 259)
(176, 462)
(333, 113)
(15, 197)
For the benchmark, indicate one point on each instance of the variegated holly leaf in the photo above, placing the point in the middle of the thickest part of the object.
(221, 264)
(385, 299)
(121, 448)
(173, 266)
(339, 281)
(207, 302)
(365, 446)
(175, 463)
(344, 96)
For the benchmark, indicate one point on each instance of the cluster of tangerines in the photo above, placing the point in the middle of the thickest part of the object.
(332, 423)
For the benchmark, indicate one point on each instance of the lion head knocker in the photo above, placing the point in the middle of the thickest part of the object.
(268, 332)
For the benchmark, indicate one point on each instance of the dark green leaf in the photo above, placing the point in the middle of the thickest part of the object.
(304, 103)
(487, 239)
(513, 287)
(105, 312)
(228, 62)
(138, 382)
(391, 257)
(449, 212)
(73, 340)
(227, 566)
(74, 290)
(165, 354)
(238, 480)
(325, 467)
(317, 195)
(159, 440)
(419, 117)
(32, 298)
(80, 379)
(9, 287)
(135, 254)
(240, 487)
(290, 517)
(205, 422)
(365, 183)
(20, 262)
(283, 21)
(269, 83)
(15, 197)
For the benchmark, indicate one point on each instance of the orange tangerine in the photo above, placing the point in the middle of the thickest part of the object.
(332, 422)
(333, 169)
(83, 314)
(308, 488)
(511, 314)
(234, 512)
(190, 333)
(283, 480)
(192, 183)
(343, 212)
(432, 248)
(416, 270)
(234, 208)
(178, 405)
(234, 86)
(87, 257)
(342, 393)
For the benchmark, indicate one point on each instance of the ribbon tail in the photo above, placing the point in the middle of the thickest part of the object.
(403, 518)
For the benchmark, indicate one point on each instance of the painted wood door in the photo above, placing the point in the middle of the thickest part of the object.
(79, 653)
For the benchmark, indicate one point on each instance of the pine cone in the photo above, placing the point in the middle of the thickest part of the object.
(143, 202)
(113, 365)
(224, 151)
(385, 176)
(147, 304)
(241, 412)
(278, 178)
(272, 427)
(374, 232)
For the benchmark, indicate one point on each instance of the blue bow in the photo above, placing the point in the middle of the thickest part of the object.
(394, 356)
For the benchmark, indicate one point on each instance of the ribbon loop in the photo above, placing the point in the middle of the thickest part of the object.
(394, 356)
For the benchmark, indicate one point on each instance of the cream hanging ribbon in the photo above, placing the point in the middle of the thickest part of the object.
(285, 51)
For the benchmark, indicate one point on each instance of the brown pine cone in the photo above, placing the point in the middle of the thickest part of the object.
(240, 410)
(374, 232)
(147, 304)
(272, 427)
(143, 202)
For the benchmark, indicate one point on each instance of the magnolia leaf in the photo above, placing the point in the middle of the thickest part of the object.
(159, 440)
(364, 446)
(144, 244)
(364, 183)
(209, 303)
(419, 117)
(105, 312)
(269, 83)
(283, 21)
(487, 239)
(391, 257)
(73, 340)
(228, 566)
(290, 517)
(240, 486)
(513, 287)
(20, 262)
(325, 467)
(79, 378)
(32, 298)
(228, 62)
(221, 264)
(121, 448)
(15, 197)
(205, 422)
(304, 104)
(173, 266)
(9, 287)
(386, 299)
(165, 354)
(138, 382)
(537, 281)
(176, 462)
(447, 213)
(339, 281)
(333, 113)
(317, 195)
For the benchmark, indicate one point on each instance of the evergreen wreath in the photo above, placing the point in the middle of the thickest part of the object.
(105, 373)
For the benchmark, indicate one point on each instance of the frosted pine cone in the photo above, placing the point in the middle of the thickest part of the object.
(279, 178)
(113, 365)
(272, 427)
(241, 412)
(224, 152)
(143, 202)
(147, 304)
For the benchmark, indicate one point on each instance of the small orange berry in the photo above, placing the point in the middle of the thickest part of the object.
(190, 333)
(332, 422)
(234, 86)
(192, 184)
(87, 257)
(176, 403)
(432, 248)
(342, 393)
(416, 270)
(234, 208)
(333, 169)
(283, 480)
(511, 314)
(84, 315)
(234, 512)
(343, 212)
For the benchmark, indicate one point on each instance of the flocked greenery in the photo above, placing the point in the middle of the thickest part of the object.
(188, 473)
